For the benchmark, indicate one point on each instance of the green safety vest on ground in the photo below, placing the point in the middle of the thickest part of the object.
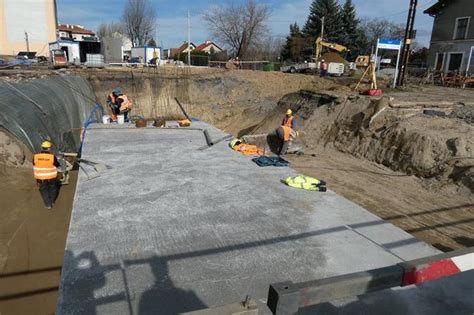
(235, 142)
(306, 182)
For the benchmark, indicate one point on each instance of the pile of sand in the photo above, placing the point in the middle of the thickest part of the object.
(333, 57)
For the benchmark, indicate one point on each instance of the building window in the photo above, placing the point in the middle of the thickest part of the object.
(455, 61)
(462, 25)
(439, 61)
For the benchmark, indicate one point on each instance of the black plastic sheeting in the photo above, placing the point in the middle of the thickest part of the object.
(52, 108)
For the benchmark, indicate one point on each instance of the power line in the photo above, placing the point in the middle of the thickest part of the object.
(429, 3)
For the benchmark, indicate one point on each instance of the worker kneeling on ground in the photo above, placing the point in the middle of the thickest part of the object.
(286, 132)
(119, 104)
(46, 174)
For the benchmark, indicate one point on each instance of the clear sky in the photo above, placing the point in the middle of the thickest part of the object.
(172, 16)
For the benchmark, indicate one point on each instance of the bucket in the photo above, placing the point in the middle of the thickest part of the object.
(141, 123)
(106, 119)
(120, 119)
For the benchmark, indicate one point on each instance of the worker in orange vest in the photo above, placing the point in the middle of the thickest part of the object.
(119, 104)
(45, 172)
(323, 68)
(286, 132)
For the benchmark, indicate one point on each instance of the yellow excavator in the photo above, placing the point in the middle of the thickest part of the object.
(320, 43)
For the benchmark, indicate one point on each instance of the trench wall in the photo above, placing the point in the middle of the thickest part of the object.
(51, 108)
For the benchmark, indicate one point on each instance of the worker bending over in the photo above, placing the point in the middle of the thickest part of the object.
(119, 104)
(46, 174)
(286, 132)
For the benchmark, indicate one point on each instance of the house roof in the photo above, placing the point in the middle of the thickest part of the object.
(435, 8)
(205, 45)
(76, 29)
(180, 49)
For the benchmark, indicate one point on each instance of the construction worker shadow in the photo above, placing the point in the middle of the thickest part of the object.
(273, 142)
(85, 287)
(164, 297)
(84, 276)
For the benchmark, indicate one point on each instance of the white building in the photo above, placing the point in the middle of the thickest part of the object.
(147, 53)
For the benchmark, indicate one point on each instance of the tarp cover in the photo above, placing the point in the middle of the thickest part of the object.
(52, 108)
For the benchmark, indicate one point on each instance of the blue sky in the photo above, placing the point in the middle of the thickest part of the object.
(172, 16)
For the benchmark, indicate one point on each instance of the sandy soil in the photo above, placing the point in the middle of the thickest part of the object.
(32, 241)
(445, 221)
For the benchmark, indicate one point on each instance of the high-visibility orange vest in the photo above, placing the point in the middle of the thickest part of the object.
(286, 133)
(287, 121)
(126, 104)
(248, 149)
(43, 167)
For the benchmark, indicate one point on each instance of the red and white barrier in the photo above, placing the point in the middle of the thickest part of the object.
(423, 270)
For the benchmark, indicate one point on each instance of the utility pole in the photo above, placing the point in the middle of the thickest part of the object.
(407, 42)
(189, 39)
(27, 42)
(322, 28)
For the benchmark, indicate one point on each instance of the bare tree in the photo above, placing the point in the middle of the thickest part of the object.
(239, 27)
(139, 19)
(379, 28)
(269, 48)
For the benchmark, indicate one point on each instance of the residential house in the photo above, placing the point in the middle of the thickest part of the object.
(208, 47)
(75, 32)
(183, 49)
(452, 40)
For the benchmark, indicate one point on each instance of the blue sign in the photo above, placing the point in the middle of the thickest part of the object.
(392, 44)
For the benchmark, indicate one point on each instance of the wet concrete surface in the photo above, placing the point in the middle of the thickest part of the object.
(32, 241)
(171, 228)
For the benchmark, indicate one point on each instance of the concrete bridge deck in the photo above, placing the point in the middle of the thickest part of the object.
(170, 228)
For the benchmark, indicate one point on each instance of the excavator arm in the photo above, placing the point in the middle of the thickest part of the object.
(319, 44)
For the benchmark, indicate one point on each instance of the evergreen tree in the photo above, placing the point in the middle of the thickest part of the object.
(294, 44)
(354, 38)
(152, 42)
(350, 24)
(333, 27)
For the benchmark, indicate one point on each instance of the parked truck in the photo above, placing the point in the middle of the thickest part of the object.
(335, 69)
(300, 67)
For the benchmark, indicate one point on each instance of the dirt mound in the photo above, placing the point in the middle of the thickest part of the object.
(332, 57)
(465, 113)
(429, 147)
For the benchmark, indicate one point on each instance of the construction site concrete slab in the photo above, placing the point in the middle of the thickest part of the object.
(171, 225)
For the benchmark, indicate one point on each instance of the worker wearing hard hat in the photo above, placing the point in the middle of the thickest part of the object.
(119, 104)
(45, 172)
(286, 132)
(323, 68)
